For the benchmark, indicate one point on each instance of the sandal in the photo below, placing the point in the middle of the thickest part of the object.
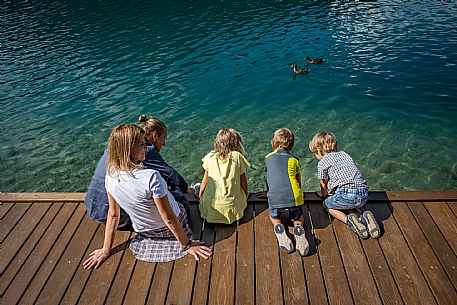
(355, 225)
(370, 223)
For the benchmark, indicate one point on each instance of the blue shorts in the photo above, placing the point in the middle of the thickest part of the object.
(294, 213)
(346, 199)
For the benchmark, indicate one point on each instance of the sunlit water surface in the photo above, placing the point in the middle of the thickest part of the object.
(72, 70)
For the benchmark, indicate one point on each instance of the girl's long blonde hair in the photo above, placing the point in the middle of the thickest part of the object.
(227, 140)
(120, 143)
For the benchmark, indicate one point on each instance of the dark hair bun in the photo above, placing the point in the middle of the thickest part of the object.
(143, 118)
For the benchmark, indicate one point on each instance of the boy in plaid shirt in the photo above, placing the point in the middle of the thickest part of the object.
(342, 186)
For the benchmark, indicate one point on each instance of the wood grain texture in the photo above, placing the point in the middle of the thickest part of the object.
(413, 262)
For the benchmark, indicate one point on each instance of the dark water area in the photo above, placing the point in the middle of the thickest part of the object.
(72, 70)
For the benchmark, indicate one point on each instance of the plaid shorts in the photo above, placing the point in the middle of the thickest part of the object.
(160, 245)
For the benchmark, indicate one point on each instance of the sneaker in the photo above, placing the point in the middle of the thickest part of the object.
(301, 243)
(284, 241)
(355, 225)
(196, 188)
(370, 223)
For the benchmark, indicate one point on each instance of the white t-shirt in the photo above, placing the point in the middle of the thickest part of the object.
(135, 193)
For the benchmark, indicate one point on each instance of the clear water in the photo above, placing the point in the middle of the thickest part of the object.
(72, 70)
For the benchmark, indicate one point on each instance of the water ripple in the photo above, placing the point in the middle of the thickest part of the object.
(70, 71)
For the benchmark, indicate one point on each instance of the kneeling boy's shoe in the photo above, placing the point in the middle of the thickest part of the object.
(355, 225)
(370, 223)
(284, 241)
(301, 243)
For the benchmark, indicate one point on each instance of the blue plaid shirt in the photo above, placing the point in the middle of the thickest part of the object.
(341, 172)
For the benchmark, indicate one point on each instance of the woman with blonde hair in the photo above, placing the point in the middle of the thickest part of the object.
(155, 132)
(160, 223)
(224, 189)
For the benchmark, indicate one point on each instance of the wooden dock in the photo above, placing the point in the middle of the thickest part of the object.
(46, 236)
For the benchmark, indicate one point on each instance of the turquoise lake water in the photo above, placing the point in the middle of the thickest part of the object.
(72, 70)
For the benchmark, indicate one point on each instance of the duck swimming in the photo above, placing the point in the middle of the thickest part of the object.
(299, 71)
(314, 61)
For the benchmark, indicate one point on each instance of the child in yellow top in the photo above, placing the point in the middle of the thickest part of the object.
(223, 191)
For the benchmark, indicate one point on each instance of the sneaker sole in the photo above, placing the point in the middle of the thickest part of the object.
(358, 227)
(283, 240)
(301, 243)
(372, 225)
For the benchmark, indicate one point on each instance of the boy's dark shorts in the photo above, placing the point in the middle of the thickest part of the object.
(294, 213)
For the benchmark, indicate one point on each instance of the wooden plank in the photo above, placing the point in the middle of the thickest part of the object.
(385, 282)
(28, 274)
(99, 283)
(79, 279)
(160, 281)
(381, 196)
(244, 282)
(268, 287)
(78, 283)
(431, 268)
(14, 215)
(410, 281)
(429, 195)
(222, 285)
(453, 206)
(68, 263)
(355, 263)
(4, 208)
(436, 239)
(138, 290)
(31, 277)
(203, 274)
(14, 241)
(24, 253)
(39, 197)
(446, 221)
(338, 291)
(182, 279)
(312, 266)
(122, 279)
(312, 197)
(293, 278)
(434, 195)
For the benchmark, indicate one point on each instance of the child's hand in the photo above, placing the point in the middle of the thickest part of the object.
(262, 194)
